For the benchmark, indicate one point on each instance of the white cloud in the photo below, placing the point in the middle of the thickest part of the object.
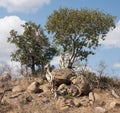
(117, 65)
(6, 24)
(113, 38)
(23, 5)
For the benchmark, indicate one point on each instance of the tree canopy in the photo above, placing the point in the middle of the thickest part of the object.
(77, 33)
(33, 47)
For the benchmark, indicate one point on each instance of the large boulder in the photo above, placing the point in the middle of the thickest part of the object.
(81, 83)
(62, 76)
(64, 73)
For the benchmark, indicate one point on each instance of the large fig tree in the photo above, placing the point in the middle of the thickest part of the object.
(77, 33)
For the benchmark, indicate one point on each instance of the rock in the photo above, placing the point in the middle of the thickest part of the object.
(68, 89)
(46, 88)
(91, 97)
(114, 94)
(91, 103)
(61, 104)
(114, 104)
(69, 102)
(81, 83)
(24, 99)
(62, 76)
(33, 87)
(73, 90)
(76, 102)
(100, 110)
(84, 101)
(17, 89)
(62, 89)
(96, 96)
(5, 77)
(64, 73)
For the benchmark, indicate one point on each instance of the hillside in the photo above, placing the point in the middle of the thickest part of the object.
(82, 95)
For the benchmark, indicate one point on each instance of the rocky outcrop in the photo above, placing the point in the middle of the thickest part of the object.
(27, 95)
(81, 83)
(62, 76)
(64, 73)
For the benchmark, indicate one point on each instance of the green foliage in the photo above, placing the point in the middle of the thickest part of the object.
(78, 32)
(33, 48)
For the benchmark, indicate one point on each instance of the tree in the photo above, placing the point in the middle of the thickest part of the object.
(77, 33)
(101, 68)
(33, 48)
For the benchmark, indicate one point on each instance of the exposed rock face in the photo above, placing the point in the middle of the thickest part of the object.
(5, 77)
(62, 76)
(33, 87)
(64, 89)
(68, 83)
(81, 83)
(64, 73)
(73, 90)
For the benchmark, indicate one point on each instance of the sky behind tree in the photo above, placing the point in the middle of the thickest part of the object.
(13, 13)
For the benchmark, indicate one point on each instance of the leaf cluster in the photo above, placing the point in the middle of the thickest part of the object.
(78, 32)
(33, 47)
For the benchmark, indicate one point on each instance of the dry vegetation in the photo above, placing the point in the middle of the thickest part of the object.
(44, 101)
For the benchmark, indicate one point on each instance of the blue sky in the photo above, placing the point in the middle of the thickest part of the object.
(13, 13)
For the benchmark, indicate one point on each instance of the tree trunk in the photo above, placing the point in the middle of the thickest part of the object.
(70, 64)
(33, 65)
(42, 67)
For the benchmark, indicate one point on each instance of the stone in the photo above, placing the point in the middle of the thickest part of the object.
(84, 101)
(46, 88)
(62, 86)
(76, 102)
(62, 76)
(91, 97)
(17, 89)
(5, 77)
(114, 94)
(114, 104)
(33, 87)
(73, 90)
(62, 89)
(81, 83)
(64, 73)
(96, 96)
(61, 104)
(100, 110)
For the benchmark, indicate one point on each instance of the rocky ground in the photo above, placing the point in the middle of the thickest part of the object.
(35, 95)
